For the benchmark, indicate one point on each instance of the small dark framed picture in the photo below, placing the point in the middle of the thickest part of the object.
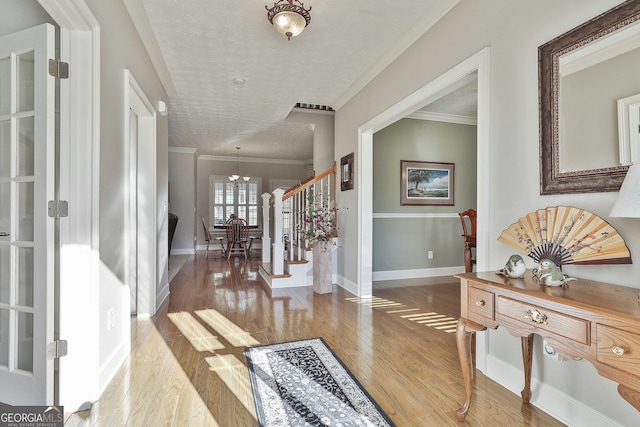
(426, 183)
(346, 172)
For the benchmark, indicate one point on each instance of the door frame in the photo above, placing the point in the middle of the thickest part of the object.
(143, 166)
(479, 62)
(79, 175)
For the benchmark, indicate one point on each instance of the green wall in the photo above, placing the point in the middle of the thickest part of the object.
(403, 235)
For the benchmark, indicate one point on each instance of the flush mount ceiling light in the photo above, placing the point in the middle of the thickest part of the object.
(236, 177)
(289, 19)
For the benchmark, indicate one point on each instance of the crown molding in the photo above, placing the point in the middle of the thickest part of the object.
(78, 16)
(314, 111)
(143, 26)
(210, 157)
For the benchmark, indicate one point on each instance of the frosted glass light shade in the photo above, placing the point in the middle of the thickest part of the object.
(627, 204)
(289, 23)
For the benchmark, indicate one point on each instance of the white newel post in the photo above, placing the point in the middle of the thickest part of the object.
(266, 227)
(277, 267)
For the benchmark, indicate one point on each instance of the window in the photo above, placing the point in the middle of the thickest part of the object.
(226, 198)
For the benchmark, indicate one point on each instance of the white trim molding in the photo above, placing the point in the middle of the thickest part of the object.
(395, 215)
(441, 117)
(416, 273)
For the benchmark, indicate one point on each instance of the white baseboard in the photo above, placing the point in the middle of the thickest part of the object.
(346, 284)
(416, 273)
(559, 405)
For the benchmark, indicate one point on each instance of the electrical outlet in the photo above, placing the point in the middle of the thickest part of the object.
(430, 254)
(111, 319)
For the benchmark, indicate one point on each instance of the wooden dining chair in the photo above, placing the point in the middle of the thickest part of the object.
(468, 219)
(208, 238)
(238, 241)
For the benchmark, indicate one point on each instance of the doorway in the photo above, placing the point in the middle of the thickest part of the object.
(140, 222)
(477, 63)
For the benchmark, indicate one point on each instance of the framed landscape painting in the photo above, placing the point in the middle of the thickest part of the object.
(426, 183)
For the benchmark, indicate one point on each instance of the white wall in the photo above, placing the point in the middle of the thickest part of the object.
(513, 31)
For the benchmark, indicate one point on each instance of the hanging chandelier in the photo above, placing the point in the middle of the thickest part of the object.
(236, 177)
(289, 19)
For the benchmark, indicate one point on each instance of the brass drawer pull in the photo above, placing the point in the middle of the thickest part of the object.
(536, 317)
(4, 234)
(480, 303)
(618, 351)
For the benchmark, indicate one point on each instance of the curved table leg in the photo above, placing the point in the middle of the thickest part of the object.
(468, 264)
(527, 358)
(463, 339)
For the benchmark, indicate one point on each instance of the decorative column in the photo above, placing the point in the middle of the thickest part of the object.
(277, 267)
(266, 229)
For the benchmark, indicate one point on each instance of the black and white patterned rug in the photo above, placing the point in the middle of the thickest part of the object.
(303, 383)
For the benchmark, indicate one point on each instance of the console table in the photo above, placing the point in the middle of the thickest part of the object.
(596, 321)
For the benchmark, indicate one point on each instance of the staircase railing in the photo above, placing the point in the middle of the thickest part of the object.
(287, 208)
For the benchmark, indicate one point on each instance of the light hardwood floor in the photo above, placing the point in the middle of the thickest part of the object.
(187, 364)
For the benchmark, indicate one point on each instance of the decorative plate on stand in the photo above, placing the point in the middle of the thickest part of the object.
(567, 235)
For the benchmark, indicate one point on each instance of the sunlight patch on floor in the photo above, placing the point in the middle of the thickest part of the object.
(431, 319)
(229, 330)
(199, 337)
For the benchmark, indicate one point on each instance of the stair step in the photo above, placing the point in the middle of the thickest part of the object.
(266, 266)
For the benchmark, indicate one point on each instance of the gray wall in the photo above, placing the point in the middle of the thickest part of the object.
(402, 243)
(182, 198)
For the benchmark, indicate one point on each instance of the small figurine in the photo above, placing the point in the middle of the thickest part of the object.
(514, 268)
(550, 274)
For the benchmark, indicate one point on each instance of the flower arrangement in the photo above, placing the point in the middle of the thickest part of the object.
(318, 222)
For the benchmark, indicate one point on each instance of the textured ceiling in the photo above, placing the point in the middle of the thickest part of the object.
(206, 44)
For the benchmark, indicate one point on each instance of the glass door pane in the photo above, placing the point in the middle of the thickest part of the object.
(5, 148)
(25, 146)
(24, 89)
(4, 338)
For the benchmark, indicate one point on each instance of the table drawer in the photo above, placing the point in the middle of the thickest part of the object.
(618, 348)
(574, 328)
(481, 303)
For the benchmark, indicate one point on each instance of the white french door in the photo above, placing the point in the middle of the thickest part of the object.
(27, 156)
